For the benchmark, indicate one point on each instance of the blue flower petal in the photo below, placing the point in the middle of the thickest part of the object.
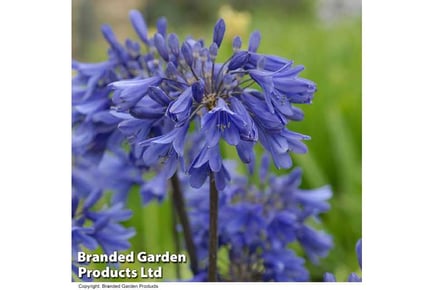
(198, 176)
(215, 160)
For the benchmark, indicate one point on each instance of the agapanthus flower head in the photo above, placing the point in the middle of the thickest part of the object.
(258, 223)
(180, 83)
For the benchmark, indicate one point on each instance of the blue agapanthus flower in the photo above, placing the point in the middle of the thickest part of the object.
(93, 229)
(96, 220)
(177, 89)
(352, 277)
(114, 173)
(258, 223)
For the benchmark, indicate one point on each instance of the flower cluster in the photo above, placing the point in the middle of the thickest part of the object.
(175, 89)
(95, 221)
(257, 223)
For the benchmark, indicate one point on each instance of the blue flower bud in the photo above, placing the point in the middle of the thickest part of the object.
(133, 47)
(255, 39)
(198, 91)
(213, 50)
(187, 52)
(158, 95)
(171, 70)
(196, 48)
(203, 54)
(160, 44)
(139, 25)
(173, 44)
(236, 43)
(201, 42)
(239, 59)
(162, 26)
(109, 36)
(219, 32)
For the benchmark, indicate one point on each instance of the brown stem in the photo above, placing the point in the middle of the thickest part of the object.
(213, 230)
(178, 200)
(176, 239)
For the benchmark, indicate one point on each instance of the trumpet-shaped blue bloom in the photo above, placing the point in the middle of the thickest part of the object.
(129, 92)
(283, 87)
(221, 122)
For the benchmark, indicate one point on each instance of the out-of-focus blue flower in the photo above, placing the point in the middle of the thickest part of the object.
(283, 265)
(155, 189)
(97, 226)
(96, 218)
(329, 277)
(181, 83)
(352, 277)
(93, 125)
(258, 223)
(114, 173)
(136, 112)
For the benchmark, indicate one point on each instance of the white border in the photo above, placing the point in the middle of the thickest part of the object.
(397, 148)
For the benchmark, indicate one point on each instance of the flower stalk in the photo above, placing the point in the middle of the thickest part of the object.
(178, 201)
(213, 230)
(176, 239)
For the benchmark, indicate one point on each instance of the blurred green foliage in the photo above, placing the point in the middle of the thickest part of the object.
(200, 12)
(331, 54)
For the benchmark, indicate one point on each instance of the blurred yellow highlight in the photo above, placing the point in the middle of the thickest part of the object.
(237, 22)
(151, 31)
